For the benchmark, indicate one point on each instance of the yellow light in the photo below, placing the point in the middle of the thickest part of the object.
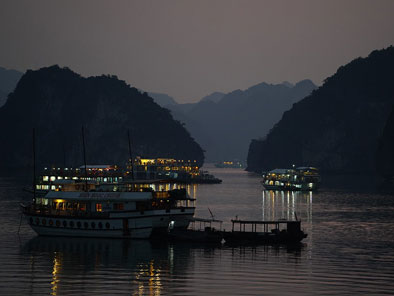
(147, 161)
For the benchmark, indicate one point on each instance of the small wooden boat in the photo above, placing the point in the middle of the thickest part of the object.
(274, 232)
(205, 233)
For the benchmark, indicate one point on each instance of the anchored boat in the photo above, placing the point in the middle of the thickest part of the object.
(295, 179)
(273, 232)
(200, 231)
(123, 214)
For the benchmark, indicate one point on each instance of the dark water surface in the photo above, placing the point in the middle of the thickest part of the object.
(349, 250)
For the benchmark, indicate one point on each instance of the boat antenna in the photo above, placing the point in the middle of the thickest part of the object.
(34, 164)
(64, 156)
(295, 213)
(213, 217)
(84, 159)
(131, 156)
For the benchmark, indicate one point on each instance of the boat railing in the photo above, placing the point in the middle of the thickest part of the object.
(205, 224)
(276, 225)
(48, 211)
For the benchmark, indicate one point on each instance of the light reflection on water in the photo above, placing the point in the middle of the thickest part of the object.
(138, 267)
(349, 249)
(287, 205)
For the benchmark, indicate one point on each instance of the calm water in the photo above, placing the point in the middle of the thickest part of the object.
(349, 250)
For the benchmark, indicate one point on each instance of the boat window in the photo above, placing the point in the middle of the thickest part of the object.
(82, 207)
(99, 207)
(119, 206)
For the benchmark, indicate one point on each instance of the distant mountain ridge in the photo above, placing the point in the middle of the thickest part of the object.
(336, 128)
(162, 99)
(58, 102)
(224, 126)
(214, 97)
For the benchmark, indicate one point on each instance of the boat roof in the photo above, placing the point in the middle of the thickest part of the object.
(306, 168)
(195, 219)
(102, 196)
(279, 171)
(97, 166)
(265, 222)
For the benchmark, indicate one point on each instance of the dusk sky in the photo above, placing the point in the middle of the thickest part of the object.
(189, 49)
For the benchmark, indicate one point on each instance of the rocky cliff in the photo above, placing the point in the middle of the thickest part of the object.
(8, 81)
(337, 128)
(58, 102)
(385, 152)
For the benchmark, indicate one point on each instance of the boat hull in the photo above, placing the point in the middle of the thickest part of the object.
(187, 235)
(138, 225)
(303, 187)
(242, 238)
(134, 233)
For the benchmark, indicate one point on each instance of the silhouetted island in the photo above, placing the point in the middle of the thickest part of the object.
(58, 102)
(337, 128)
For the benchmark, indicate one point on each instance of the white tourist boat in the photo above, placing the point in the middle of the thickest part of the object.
(125, 214)
(294, 179)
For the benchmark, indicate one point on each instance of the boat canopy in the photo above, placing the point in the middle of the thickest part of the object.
(279, 171)
(307, 168)
(264, 222)
(195, 219)
(106, 196)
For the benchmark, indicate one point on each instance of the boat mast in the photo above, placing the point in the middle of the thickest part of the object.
(84, 159)
(64, 156)
(131, 157)
(34, 165)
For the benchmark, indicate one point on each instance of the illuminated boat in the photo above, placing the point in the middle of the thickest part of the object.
(122, 214)
(295, 179)
(160, 170)
(230, 164)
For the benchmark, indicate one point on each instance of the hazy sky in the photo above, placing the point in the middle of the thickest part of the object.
(189, 49)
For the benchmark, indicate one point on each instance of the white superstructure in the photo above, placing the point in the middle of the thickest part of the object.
(132, 214)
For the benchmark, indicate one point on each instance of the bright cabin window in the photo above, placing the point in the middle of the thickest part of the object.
(119, 206)
(99, 207)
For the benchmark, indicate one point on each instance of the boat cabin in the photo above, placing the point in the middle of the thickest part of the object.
(291, 227)
(71, 203)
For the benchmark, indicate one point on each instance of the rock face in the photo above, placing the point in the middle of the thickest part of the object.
(224, 124)
(337, 128)
(385, 152)
(58, 102)
(8, 81)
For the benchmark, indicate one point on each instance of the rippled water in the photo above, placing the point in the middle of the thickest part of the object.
(349, 249)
